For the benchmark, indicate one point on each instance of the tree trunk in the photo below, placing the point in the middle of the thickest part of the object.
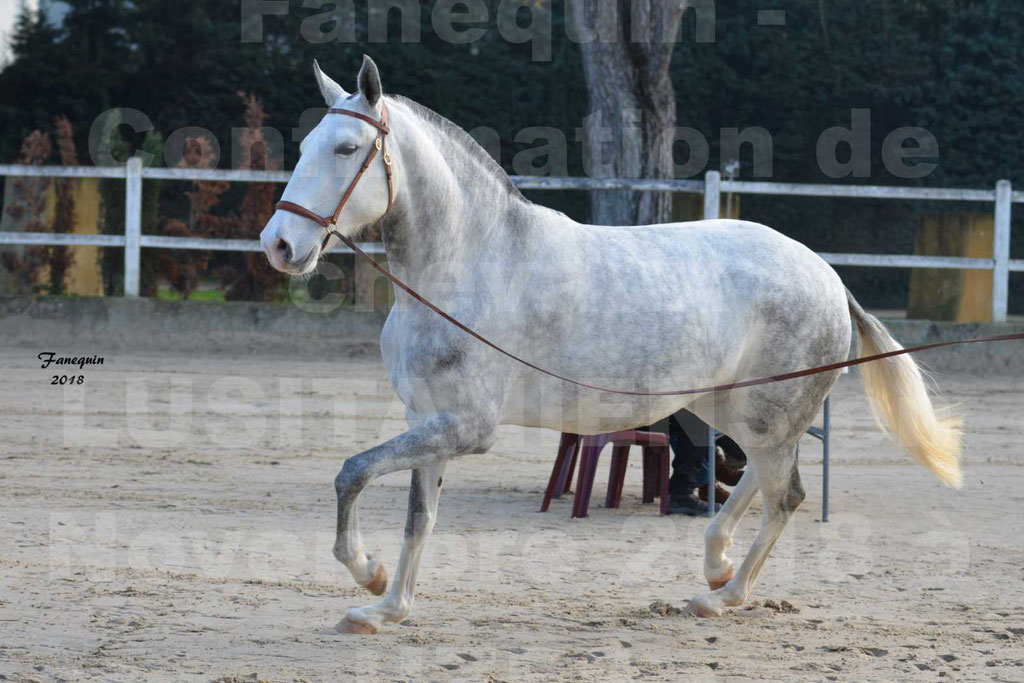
(626, 47)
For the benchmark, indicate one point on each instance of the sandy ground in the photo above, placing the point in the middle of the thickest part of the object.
(172, 519)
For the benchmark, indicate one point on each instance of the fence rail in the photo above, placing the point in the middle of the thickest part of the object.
(712, 187)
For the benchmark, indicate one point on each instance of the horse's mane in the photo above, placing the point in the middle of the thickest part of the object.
(464, 140)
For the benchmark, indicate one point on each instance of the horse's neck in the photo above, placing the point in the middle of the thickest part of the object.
(450, 212)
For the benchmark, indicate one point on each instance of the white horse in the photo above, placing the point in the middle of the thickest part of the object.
(651, 308)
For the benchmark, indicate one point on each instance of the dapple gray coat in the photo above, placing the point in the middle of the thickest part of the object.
(649, 308)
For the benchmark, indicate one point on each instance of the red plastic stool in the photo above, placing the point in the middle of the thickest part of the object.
(656, 468)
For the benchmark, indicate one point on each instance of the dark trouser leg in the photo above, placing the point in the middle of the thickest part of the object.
(688, 437)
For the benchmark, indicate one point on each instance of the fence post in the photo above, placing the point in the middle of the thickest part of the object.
(1001, 251)
(825, 446)
(712, 194)
(132, 225)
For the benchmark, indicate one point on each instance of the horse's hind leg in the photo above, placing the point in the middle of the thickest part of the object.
(779, 481)
(424, 494)
(718, 569)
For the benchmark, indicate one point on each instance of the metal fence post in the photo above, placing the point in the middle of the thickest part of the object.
(825, 439)
(712, 194)
(132, 225)
(1001, 251)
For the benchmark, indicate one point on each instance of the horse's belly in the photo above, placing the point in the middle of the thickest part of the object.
(558, 405)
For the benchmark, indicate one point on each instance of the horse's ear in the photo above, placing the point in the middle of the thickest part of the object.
(369, 82)
(330, 90)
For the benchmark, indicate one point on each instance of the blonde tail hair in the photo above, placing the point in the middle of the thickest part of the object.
(900, 402)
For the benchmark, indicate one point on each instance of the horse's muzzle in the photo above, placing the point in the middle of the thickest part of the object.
(291, 249)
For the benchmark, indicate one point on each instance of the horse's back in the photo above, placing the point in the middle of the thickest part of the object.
(781, 290)
(738, 266)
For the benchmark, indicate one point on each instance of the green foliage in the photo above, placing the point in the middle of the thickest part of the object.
(171, 294)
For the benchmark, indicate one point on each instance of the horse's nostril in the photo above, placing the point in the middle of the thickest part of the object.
(284, 249)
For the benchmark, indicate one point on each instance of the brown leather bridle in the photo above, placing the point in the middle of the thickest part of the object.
(379, 146)
(330, 224)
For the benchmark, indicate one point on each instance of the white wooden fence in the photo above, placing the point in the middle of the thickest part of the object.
(1002, 197)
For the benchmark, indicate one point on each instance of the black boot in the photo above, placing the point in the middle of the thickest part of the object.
(686, 465)
(688, 504)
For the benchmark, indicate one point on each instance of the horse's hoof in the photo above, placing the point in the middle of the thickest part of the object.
(718, 583)
(379, 581)
(348, 626)
(699, 609)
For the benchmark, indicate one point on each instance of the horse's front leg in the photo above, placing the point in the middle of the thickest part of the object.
(430, 442)
(423, 498)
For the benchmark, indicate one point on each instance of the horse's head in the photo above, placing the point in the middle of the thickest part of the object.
(331, 157)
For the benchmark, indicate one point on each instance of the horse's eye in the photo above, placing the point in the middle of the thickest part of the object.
(345, 149)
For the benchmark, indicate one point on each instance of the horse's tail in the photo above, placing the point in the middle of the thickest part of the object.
(900, 402)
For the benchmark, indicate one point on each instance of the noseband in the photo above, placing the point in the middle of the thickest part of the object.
(330, 224)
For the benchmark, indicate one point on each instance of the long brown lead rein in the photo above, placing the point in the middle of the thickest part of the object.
(682, 392)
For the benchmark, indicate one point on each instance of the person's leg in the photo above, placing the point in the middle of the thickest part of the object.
(700, 457)
(687, 436)
(732, 454)
(684, 472)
